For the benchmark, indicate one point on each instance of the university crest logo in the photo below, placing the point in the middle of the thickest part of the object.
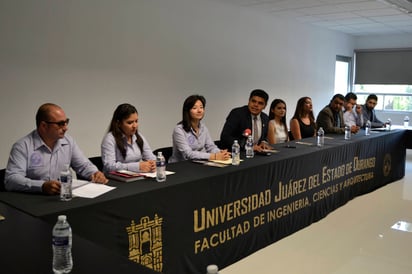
(145, 242)
(387, 164)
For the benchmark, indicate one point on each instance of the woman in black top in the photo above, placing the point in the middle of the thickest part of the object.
(302, 124)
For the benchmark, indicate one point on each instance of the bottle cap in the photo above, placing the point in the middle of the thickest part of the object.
(212, 268)
(62, 218)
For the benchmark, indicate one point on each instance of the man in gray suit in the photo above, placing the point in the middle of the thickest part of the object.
(368, 110)
(330, 118)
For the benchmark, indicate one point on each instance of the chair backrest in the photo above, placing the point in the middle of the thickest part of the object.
(2, 174)
(166, 151)
(97, 161)
(218, 143)
(290, 136)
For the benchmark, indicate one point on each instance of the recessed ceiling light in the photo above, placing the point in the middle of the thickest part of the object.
(402, 226)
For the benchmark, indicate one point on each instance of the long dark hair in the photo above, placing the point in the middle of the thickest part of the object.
(272, 115)
(187, 106)
(121, 113)
(299, 111)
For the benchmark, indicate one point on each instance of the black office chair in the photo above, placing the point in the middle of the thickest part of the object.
(2, 174)
(97, 161)
(218, 143)
(290, 136)
(166, 151)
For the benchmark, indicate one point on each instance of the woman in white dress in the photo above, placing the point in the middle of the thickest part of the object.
(278, 130)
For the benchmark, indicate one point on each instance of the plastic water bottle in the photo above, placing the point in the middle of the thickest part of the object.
(62, 246)
(406, 121)
(321, 137)
(249, 147)
(160, 167)
(66, 184)
(368, 128)
(235, 153)
(212, 269)
(347, 132)
(389, 124)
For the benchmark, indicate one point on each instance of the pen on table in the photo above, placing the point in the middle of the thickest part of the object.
(289, 146)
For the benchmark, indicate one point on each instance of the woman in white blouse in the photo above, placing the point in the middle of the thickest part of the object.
(277, 130)
(124, 147)
(191, 138)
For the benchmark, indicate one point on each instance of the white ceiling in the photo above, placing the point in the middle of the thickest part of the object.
(354, 17)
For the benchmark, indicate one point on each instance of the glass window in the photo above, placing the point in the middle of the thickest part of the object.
(342, 74)
(390, 97)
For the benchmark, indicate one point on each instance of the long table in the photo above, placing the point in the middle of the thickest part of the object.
(207, 215)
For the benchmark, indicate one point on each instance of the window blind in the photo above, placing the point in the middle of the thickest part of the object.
(383, 66)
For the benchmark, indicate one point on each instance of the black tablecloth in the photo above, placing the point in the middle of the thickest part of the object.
(25, 247)
(204, 215)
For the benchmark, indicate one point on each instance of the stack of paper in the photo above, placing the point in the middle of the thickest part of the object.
(88, 189)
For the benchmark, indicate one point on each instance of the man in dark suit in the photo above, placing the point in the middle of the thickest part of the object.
(247, 120)
(369, 111)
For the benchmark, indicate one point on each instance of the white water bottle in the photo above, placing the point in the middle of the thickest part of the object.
(62, 246)
(368, 128)
(321, 137)
(212, 269)
(235, 153)
(160, 167)
(347, 132)
(389, 124)
(249, 147)
(406, 121)
(66, 184)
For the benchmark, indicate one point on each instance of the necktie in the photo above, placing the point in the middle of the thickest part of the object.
(337, 119)
(255, 131)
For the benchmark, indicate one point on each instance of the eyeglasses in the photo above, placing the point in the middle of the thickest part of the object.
(59, 123)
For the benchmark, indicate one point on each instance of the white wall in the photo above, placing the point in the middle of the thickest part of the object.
(91, 55)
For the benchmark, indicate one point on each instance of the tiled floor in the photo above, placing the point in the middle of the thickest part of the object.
(364, 236)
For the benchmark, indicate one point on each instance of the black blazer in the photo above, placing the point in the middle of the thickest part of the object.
(237, 121)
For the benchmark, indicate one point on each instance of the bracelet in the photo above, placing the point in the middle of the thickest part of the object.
(215, 156)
